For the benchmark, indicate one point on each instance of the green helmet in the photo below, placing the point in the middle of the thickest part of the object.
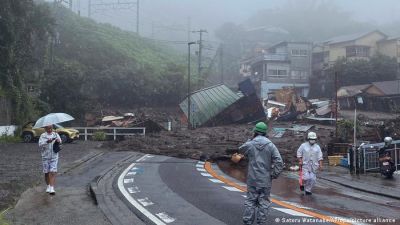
(261, 127)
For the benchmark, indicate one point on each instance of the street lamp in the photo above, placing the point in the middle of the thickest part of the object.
(189, 103)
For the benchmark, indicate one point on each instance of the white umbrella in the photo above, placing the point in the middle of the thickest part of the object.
(52, 118)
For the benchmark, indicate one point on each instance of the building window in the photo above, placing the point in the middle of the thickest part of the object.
(299, 52)
(299, 74)
(357, 51)
(277, 73)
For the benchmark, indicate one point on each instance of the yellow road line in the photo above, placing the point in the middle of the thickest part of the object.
(209, 169)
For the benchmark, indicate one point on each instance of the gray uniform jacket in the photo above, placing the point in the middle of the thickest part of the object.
(265, 162)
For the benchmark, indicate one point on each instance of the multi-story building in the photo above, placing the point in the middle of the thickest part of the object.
(286, 64)
(391, 47)
(350, 47)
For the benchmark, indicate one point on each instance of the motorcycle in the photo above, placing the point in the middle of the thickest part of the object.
(386, 165)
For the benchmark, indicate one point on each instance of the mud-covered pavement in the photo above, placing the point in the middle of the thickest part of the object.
(21, 168)
(217, 142)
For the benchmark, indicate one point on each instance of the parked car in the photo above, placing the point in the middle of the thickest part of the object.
(67, 135)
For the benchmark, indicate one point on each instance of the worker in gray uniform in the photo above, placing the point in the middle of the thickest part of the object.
(310, 159)
(265, 164)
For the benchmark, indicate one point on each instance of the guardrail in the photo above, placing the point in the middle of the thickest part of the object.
(370, 158)
(115, 131)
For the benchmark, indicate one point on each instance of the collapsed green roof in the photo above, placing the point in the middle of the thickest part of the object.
(207, 103)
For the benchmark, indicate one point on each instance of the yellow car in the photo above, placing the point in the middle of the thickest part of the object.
(67, 135)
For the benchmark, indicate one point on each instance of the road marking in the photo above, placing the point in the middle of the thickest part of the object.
(331, 219)
(296, 205)
(131, 200)
(216, 181)
(131, 173)
(206, 174)
(244, 196)
(145, 201)
(200, 162)
(200, 165)
(201, 169)
(232, 188)
(292, 212)
(133, 190)
(165, 217)
(128, 181)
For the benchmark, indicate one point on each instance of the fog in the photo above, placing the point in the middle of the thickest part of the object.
(211, 14)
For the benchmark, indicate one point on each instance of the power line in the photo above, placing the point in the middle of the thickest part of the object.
(124, 5)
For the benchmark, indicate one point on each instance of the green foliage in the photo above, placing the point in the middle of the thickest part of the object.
(99, 136)
(98, 65)
(10, 139)
(359, 71)
(346, 130)
(21, 22)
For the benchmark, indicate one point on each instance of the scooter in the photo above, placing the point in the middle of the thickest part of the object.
(386, 165)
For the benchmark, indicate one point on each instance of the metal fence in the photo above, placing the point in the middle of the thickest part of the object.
(369, 157)
(111, 131)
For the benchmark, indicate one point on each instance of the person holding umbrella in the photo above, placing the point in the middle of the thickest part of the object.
(47, 141)
(49, 157)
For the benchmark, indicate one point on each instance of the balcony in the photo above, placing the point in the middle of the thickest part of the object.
(271, 57)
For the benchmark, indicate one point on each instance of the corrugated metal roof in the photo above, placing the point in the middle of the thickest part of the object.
(208, 102)
(391, 87)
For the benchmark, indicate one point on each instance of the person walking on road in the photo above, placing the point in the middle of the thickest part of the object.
(49, 157)
(265, 164)
(310, 160)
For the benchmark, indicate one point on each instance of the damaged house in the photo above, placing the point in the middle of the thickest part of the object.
(378, 96)
(219, 105)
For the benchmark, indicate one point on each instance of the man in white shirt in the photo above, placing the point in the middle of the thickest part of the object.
(49, 157)
(310, 159)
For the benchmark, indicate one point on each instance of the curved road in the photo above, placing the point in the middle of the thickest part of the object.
(164, 190)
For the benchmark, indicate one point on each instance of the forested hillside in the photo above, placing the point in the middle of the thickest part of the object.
(79, 65)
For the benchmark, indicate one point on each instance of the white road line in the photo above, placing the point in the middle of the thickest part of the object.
(134, 169)
(145, 201)
(297, 205)
(131, 173)
(201, 162)
(133, 201)
(128, 181)
(165, 217)
(232, 188)
(291, 212)
(143, 158)
(133, 190)
(206, 174)
(201, 170)
(200, 165)
(216, 181)
(244, 196)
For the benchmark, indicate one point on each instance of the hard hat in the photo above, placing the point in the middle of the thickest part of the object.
(260, 127)
(312, 136)
(388, 140)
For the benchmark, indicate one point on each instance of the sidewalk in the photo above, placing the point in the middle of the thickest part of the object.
(371, 182)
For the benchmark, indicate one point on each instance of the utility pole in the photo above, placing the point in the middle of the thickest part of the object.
(221, 62)
(336, 105)
(200, 49)
(189, 90)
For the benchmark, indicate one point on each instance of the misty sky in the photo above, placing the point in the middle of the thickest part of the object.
(160, 17)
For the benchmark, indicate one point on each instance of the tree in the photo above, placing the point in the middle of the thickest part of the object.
(355, 72)
(20, 23)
